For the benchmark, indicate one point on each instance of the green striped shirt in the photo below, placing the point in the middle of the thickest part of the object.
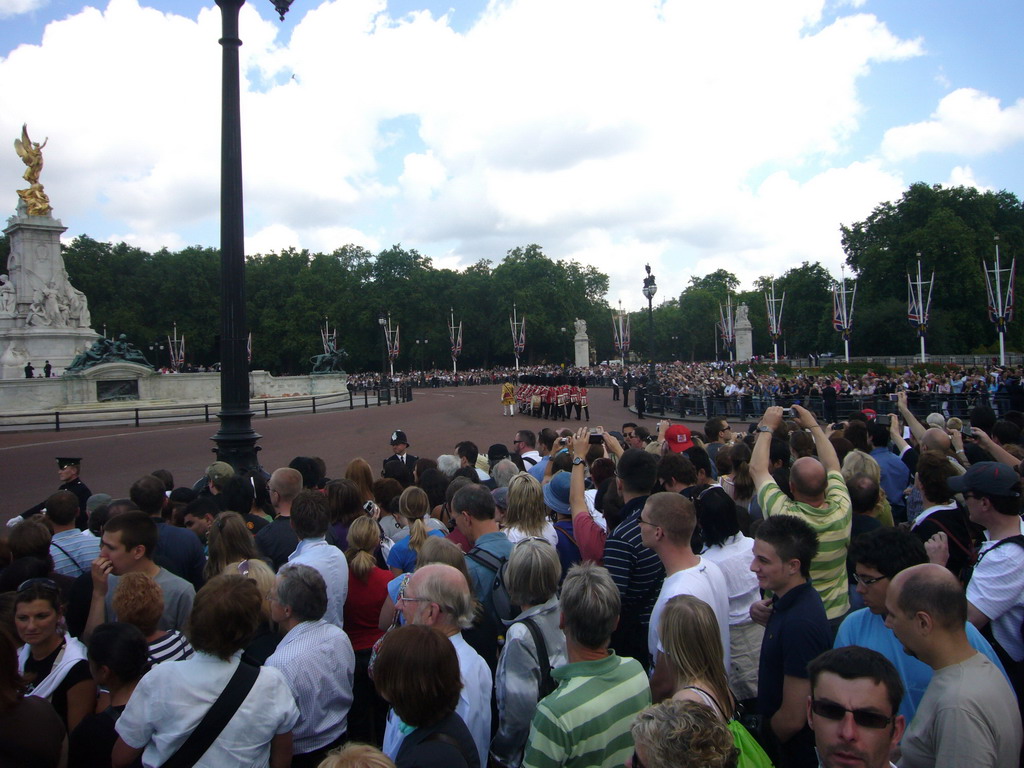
(584, 723)
(832, 523)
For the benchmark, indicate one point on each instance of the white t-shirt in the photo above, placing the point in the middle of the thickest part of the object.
(996, 589)
(515, 535)
(172, 698)
(704, 581)
(733, 558)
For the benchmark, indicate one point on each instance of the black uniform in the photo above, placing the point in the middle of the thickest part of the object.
(77, 487)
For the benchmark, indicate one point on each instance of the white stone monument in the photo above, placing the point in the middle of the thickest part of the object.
(582, 344)
(42, 316)
(744, 334)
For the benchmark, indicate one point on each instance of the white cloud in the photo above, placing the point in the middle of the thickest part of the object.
(963, 176)
(966, 122)
(10, 8)
(613, 132)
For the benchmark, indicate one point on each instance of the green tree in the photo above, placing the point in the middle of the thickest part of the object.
(952, 228)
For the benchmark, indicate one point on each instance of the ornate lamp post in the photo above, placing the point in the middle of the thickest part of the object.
(650, 288)
(236, 440)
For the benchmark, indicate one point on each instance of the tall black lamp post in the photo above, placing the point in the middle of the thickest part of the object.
(236, 440)
(650, 288)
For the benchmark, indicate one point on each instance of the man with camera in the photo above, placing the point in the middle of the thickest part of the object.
(820, 498)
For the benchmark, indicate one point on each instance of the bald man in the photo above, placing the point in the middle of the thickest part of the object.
(438, 596)
(278, 540)
(819, 498)
(968, 714)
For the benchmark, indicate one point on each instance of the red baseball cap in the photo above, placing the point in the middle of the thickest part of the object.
(678, 438)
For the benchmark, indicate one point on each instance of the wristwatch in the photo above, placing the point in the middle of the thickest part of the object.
(763, 428)
(577, 461)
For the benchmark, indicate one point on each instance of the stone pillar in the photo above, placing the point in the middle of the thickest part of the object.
(744, 334)
(582, 345)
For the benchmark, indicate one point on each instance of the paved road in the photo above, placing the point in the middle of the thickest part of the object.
(114, 457)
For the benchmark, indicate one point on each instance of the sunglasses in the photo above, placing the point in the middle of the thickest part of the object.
(862, 717)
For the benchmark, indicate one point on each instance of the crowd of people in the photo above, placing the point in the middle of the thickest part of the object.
(737, 389)
(790, 594)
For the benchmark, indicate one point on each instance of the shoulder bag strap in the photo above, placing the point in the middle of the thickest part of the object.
(543, 660)
(712, 698)
(216, 718)
(566, 534)
(972, 556)
(77, 564)
(444, 738)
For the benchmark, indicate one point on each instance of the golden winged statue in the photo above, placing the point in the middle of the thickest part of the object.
(31, 153)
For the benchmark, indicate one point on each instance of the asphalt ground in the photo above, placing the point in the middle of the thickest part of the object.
(114, 457)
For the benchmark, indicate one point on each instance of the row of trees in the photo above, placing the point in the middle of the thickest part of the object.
(291, 293)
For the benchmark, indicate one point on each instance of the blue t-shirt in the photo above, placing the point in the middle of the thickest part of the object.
(868, 630)
(403, 556)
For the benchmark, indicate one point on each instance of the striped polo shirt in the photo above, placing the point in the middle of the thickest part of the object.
(832, 523)
(585, 722)
(73, 552)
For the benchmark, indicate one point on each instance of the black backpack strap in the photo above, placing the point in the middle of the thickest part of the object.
(216, 718)
(485, 558)
(543, 660)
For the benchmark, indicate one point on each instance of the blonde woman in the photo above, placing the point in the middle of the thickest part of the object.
(693, 648)
(414, 507)
(265, 641)
(859, 463)
(528, 515)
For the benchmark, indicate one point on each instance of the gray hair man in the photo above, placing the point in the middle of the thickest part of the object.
(317, 661)
(438, 596)
(605, 692)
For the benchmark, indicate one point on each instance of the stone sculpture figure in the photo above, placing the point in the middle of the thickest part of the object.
(741, 315)
(31, 153)
(107, 351)
(581, 327)
(8, 297)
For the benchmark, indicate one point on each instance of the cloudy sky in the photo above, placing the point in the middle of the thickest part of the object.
(693, 135)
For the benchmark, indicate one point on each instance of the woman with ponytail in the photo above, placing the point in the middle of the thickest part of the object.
(414, 507)
(367, 591)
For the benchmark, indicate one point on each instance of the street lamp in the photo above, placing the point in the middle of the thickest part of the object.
(236, 440)
(650, 288)
(421, 351)
(157, 349)
(382, 321)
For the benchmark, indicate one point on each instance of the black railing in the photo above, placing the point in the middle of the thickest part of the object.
(140, 414)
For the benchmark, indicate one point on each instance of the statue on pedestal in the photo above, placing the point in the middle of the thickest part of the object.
(31, 153)
(107, 351)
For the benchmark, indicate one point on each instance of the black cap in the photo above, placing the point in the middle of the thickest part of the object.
(496, 453)
(398, 437)
(63, 462)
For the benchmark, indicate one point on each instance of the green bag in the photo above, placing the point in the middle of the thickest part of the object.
(751, 754)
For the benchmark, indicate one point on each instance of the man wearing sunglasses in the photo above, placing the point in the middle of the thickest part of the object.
(968, 715)
(853, 708)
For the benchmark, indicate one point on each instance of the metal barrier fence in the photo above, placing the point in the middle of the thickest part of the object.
(138, 415)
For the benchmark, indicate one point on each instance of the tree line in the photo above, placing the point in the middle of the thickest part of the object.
(291, 293)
